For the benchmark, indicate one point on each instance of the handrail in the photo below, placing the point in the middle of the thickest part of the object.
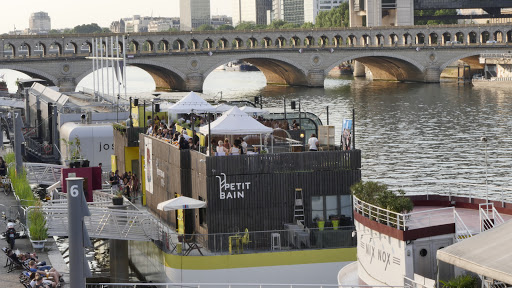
(379, 214)
(230, 285)
(461, 230)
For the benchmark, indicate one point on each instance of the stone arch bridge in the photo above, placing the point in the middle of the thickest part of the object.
(182, 61)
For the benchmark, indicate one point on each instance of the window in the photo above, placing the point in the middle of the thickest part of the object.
(331, 206)
(346, 205)
(317, 207)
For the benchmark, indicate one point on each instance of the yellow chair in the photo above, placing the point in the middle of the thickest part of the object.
(236, 239)
(245, 239)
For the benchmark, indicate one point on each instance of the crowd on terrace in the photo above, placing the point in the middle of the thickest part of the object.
(36, 274)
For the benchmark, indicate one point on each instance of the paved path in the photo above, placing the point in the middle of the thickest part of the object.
(50, 254)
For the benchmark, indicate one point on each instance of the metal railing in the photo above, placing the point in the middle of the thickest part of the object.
(380, 215)
(410, 283)
(231, 285)
(461, 230)
(41, 173)
(489, 216)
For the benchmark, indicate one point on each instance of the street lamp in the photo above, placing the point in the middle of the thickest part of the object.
(484, 139)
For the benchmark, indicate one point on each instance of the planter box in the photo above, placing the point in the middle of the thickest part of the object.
(38, 244)
(117, 201)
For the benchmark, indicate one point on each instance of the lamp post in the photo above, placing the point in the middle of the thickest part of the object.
(484, 139)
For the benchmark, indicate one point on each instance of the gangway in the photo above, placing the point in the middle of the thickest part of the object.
(42, 173)
(106, 221)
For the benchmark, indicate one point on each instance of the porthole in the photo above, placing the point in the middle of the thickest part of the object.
(423, 252)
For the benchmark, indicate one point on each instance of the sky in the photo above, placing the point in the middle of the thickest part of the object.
(70, 13)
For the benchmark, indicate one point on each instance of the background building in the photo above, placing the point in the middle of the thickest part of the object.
(163, 24)
(218, 20)
(117, 26)
(254, 11)
(137, 23)
(482, 20)
(194, 13)
(301, 11)
(39, 22)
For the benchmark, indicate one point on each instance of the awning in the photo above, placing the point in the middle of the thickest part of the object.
(191, 103)
(182, 202)
(487, 253)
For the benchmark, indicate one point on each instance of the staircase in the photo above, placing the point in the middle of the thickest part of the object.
(298, 210)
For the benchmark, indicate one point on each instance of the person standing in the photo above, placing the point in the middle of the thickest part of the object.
(3, 167)
(313, 143)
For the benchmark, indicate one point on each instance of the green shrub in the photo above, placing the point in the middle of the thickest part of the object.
(20, 183)
(379, 195)
(37, 223)
(461, 281)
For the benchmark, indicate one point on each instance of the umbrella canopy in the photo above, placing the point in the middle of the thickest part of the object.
(253, 110)
(235, 122)
(191, 103)
(182, 202)
(223, 108)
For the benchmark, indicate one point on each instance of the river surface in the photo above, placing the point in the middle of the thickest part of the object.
(418, 137)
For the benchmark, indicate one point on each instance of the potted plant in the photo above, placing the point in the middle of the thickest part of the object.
(118, 198)
(335, 222)
(321, 224)
(37, 230)
(73, 152)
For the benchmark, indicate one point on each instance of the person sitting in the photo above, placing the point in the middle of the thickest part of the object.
(37, 280)
(183, 144)
(221, 148)
(51, 272)
(184, 134)
(235, 150)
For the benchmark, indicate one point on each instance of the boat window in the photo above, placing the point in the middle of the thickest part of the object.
(317, 208)
(346, 205)
(423, 252)
(331, 206)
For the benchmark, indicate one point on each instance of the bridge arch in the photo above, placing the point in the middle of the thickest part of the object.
(471, 37)
(295, 41)
(72, 46)
(163, 45)
(193, 44)
(484, 36)
(238, 43)
(337, 40)
(58, 46)
(12, 47)
(464, 56)
(509, 36)
(420, 38)
(433, 38)
(25, 46)
(277, 70)
(34, 73)
(148, 46)
(223, 43)
(178, 44)
(309, 41)
(352, 40)
(164, 76)
(280, 42)
(43, 48)
(252, 42)
(498, 36)
(323, 41)
(393, 39)
(133, 46)
(446, 37)
(407, 39)
(379, 39)
(208, 44)
(459, 36)
(266, 42)
(387, 66)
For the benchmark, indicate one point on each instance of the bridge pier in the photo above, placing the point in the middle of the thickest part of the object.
(316, 78)
(433, 74)
(67, 84)
(194, 82)
(359, 69)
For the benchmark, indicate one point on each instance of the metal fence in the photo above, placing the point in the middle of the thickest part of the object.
(231, 285)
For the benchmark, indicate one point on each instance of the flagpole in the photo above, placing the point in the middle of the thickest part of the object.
(112, 64)
(106, 65)
(93, 70)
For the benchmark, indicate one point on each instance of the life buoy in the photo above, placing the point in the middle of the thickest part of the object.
(47, 148)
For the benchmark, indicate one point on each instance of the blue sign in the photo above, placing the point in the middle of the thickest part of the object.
(347, 124)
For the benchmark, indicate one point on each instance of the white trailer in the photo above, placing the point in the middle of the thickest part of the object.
(96, 142)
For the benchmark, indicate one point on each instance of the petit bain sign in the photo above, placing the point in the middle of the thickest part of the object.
(232, 190)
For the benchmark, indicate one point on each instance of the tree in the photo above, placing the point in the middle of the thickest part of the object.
(290, 26)
(245, 26)
(337, 17)
(379, 195)
(276, 24)
(54, 31)
(440, 12)
(205, 27)
(87, 28)
(225, 27)
(307, 25)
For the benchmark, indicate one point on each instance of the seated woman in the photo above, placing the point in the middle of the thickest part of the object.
(37, 280)
(41, 270)
(221, 148)
(235, 150)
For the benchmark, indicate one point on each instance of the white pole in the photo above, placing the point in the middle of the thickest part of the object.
(97, 65)
(102, 73)
(93, 69)
(117, 67)
(106, 65)
(124, 69)
(112, 64)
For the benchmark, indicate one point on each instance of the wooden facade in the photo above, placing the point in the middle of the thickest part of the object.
(257, 191)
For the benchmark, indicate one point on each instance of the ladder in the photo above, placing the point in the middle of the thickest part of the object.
(298, 210)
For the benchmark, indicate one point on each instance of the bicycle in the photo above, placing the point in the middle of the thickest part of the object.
(5, 184)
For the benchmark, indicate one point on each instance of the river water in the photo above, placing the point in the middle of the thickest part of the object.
(419, 137)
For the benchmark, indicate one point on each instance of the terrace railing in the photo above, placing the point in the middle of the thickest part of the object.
(380, 215)
(489, 216)
(461, 230)
(230, 285)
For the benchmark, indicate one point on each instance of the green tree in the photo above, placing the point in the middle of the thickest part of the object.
(440, 12)
(245, 26)
(87, 28)
(307, 25)
(379, 195)
(276, 24)
(290, 26)
(337, 17)
(205, 27)
(54, 31)
(173, 30)
(225, 27)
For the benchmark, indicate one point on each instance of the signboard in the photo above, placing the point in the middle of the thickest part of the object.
(148, 164)
(232, 190)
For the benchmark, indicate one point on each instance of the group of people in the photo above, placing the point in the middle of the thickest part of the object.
(39, 274)
(239, 147)
(127, 183)
(181, 139)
